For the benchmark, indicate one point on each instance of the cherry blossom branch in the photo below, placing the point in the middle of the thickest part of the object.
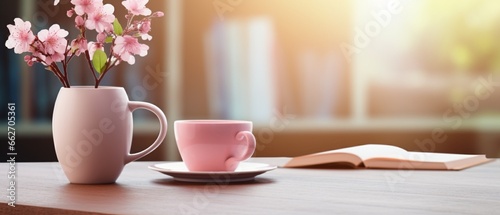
(65, 64)
(129, 22)
(87, 56)
(108, 67)
(49, 46)
(53, 67)
(58, 72)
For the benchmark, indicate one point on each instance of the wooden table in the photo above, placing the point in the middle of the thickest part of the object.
(43, 189)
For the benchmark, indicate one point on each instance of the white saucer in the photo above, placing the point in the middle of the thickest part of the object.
(246, 171)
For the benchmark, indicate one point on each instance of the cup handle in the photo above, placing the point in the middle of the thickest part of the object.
(161, 136)
(250, 149)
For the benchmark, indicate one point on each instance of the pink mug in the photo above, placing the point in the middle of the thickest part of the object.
(214, 145)
(92, 130)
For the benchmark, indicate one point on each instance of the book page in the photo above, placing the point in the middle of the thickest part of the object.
(324, 158)
(370, 151)
(436, 157)
(389, 157)
(428, 160)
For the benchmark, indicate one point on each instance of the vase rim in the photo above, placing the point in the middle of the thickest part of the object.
(92, 87)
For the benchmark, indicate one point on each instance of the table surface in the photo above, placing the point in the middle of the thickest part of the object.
(43, 189)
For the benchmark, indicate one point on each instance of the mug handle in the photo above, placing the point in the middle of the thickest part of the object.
(161, 136)
(250, 149)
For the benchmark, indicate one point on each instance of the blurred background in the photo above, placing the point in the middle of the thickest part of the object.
(312, 75)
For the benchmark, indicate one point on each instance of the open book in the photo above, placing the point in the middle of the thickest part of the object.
(388, 157)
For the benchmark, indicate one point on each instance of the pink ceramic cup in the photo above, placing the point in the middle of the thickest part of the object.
(92, 130)
(214, 145)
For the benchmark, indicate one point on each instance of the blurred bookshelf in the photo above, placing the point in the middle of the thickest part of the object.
(279, 65)
(393, 91)
(45, 129)
(482, 123)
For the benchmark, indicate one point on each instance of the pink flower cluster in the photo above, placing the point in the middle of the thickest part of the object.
(50, 46)
(47, 47)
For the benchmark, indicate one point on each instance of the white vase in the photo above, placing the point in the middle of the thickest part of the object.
(92, 130)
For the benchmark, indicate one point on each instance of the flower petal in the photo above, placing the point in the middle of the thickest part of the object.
(144, 50)
(43, 34)
(10, 43)
(146, 12)
(108, 9)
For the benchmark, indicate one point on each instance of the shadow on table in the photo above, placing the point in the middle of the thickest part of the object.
(172, 182)
(336, 165)
(79, 193)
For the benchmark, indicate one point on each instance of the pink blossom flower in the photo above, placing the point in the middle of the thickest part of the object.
(56, 2)
(36, 47)
(86, 6)
(79, 22)
(127, 46)
(29, 60)
(79, 46)
(45, 59)
(21, 36)
(101, 37)
(93, 46)
(70, 12)
(158, 14)
(53, 39)
(101, 19)
(52, 46)
(56, 57)
(144, 29)
(137, 7)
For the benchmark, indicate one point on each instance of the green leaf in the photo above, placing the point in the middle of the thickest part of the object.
(99, 60)
(108, 40)
(117, 27)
